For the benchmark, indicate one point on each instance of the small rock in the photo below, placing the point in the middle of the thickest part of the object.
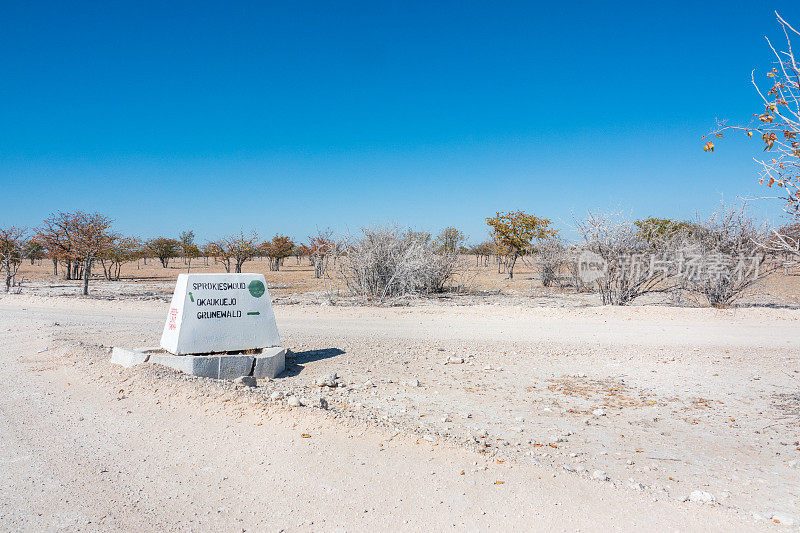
(446, 419)
(453, 360)
(466, 415)
(293, 401)
(275, 396)
(700, 496)
(785, 519)
(246, 381)
(636, 486)
(327, 381)
(569, 468)
(599, 412)
(322, 403)
(414, 383)
(368, 384)
(599, 474)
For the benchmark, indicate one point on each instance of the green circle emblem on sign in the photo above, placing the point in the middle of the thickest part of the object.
(256, 288)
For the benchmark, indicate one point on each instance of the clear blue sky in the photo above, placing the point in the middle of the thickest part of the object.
(289, 116)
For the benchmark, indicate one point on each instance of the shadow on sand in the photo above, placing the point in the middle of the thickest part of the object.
(296, 364)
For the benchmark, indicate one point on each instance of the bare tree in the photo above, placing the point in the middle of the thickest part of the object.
(322, 247)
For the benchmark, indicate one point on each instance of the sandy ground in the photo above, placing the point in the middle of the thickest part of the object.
(665, 401)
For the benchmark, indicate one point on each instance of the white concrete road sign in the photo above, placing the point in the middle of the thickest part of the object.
(213, 313)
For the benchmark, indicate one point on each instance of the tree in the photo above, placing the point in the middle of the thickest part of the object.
(279, 248)
(164, 248)
(657, 230)
(516, 232)
(236, 249)
(93, 237)
(122, 250)
(33, 249)
(483, 252)
(299, 251)
(12, 246)
(451, 240)
(189, 249)
(777, 125)
(321, 247)
(57, 236)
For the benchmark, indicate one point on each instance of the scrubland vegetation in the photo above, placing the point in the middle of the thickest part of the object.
(712, 261)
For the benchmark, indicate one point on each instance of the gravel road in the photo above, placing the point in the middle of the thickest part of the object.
(506, 440)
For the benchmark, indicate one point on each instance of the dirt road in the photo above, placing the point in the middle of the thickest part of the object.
(86, 445)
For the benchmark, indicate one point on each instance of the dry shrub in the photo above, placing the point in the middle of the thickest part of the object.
(620, 264)
(388, 263)
(718, 259)
(723, 257)
(551, 257)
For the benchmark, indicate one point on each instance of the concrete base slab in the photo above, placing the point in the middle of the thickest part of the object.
(208, 366)
(269, 363)
(266, 363)
(128, 358)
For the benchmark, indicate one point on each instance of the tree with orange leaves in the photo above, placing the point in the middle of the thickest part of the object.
(92, 238)
(777, 125)
(57, 236)
(515, 232)
(277, 249)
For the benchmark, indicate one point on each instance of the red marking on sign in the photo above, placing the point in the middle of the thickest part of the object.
(173, 317)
